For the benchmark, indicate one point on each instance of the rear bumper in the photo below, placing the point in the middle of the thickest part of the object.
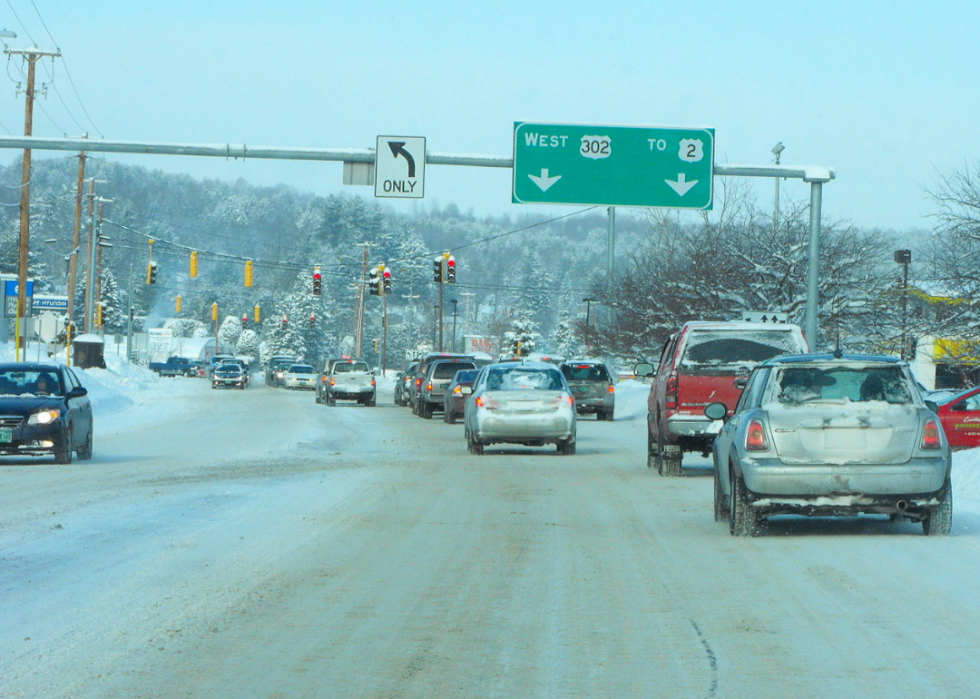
(779, 482)
(692, 425)
(593, 405)
(493, 428)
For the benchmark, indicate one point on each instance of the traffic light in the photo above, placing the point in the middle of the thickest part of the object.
(285, 322)
(451, 270)
(317, 281)
(151, 273)
(373, 282)
(244, 321)
(386, 282)
(249, 273)
(193, 271)
(375, 341)
(98, 314)
(437, 270)
(312, 319)
(180, 303)
(258, 314)
(214, 311)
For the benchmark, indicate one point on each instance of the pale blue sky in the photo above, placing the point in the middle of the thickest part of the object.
(885, 92)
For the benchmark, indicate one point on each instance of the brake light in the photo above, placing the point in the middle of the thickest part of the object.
(418, 382)
(324, 379)
(488, 403)
(428, 387)
(755, 437)
(612, 389)
(373, 381)
(930, 435)
(333, 381)
(458, 389)
(671, 397)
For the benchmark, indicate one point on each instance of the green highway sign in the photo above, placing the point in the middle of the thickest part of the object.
(613, 165)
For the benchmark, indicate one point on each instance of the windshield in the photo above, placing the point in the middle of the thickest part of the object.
(799, 385)
(585, 372)
(524, 379)
(30, 383)
(300, 369)
(716, 348)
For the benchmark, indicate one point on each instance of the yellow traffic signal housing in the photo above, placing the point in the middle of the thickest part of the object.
(258, 314)
(214, 311)
(249, 273)
(180, 303)
(193, 264)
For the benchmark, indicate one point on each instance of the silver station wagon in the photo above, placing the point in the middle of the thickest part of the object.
(828, 435)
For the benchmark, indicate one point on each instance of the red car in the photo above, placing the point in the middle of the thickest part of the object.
(960, 417)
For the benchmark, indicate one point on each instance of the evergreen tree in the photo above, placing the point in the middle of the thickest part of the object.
(248, 344)
(523, 336)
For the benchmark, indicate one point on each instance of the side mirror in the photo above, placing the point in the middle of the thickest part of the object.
(644, 370)
(78, 392)
(716, 411)
(932, 405)
(741, 382)
(466, 390)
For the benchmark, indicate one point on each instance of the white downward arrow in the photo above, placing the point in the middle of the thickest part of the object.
(544, 182)
(681, 186)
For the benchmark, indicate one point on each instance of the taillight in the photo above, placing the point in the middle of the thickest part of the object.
(671, 397)
(458, 389)
(612, 389)
(755, 437)
(930, 435)
(488, 403)
(324, 379)
(373, 382)
(333, 381)
(428, 387)
(418, 382)
(571, 400)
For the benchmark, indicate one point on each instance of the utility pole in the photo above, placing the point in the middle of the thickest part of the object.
(359, 319)
(31, 56)
(98, 266)
(611, 246)
(76, 238)
(129, 317)
(455, 306)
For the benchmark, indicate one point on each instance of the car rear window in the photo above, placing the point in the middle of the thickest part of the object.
(585, 372)
(524, 379)
(718, 348)
(467, 376)
(798, 385)
(347, 367)
(300, 369)
(447, 370)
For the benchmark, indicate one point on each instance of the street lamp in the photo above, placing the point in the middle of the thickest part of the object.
(777, 151)
(904, 257)
(588, 310)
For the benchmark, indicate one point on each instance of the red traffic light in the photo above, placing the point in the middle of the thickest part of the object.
(387, 273)
(451, 262)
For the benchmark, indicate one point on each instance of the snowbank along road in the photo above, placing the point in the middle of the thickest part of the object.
(254, 544)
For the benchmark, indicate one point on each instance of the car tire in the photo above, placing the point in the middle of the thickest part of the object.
(425, 410)
(566, 447)
(721, 507)
(938, 521)
(449, 417)
(609, 415)
(85, 451)
(744, 519)
(62, 454)
(669, 459)
(474, 446)
(331, 400)
(372, 402)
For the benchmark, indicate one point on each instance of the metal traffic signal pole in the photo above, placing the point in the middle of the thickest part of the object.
(815, 176)
(442, 282)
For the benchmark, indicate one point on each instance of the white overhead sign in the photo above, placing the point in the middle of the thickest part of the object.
(765, 317)
(400, 167)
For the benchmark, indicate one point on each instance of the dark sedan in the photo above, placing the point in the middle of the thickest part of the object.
(456, 393)
(44, 410)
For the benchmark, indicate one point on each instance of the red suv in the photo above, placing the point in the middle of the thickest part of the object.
(704, 362)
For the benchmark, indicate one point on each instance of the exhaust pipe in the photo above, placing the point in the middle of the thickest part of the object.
(902, 505)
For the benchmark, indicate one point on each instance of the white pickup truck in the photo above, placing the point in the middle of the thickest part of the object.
(346, 379)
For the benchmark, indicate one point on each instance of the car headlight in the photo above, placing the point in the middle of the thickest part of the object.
(45, 417)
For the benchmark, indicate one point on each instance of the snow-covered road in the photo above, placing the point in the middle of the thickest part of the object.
(254, 544)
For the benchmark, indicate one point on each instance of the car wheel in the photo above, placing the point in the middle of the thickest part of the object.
(652, 456)
(609, 416)
(85, 451)
(62, 454)
(450, 417)
(372, 402)
(474, 446)
(744, 519)
(425, 410)
(721, 507)
(566, 447)
(938, 521)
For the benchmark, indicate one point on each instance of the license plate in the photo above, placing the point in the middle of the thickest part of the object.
(6, 436)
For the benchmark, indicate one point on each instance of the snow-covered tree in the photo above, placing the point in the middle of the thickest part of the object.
(248, 344)
(523, 336)
(230, 331)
